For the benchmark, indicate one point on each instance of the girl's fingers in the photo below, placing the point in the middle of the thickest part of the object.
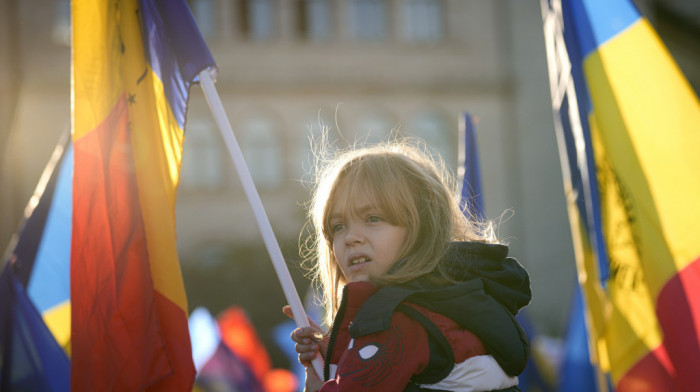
(306, 335)
(306, 358)
(301, 335)
(308, 339)
(306, 348)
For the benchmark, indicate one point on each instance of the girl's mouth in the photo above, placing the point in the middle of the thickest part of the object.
(359, 260)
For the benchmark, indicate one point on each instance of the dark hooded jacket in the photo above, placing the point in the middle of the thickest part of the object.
(492, 289)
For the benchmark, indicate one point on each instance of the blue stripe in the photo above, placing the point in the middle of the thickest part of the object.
(49, 284)
(32, 359)
(579, 43)
(174, 48)
(576, 373)
(472, 199)
(597, 21)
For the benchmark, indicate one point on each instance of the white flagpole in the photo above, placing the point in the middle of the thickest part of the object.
(251, 192)
(561, 85)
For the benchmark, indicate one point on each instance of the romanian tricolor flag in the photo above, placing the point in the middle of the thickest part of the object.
(133, 63)
(629, 135)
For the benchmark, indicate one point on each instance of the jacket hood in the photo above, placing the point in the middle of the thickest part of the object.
(503, 277)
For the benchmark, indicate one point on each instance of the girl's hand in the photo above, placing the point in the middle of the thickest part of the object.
(313, 383)
(310, 341)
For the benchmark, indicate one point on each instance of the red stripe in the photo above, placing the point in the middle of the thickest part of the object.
(673, 366)
(116, 337)
(652, 373)
(173, 322)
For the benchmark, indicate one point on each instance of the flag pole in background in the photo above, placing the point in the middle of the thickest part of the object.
(628, 129)
(290, 292)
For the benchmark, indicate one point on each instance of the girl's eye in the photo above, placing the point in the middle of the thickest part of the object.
(335, 228)
(374, 219)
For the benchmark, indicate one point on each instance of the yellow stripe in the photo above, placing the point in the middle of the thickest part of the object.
(59, 322)
(589, 278)
(651, 99)
(96, 78)
(630, 329)
(157, 145)
(645, 127)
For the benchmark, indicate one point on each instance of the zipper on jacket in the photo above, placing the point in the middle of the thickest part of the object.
(333, 334)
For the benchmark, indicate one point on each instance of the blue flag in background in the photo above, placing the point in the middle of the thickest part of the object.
(41, 252)
(43, 248)
(472, 199)
(576, 373)
(30, 356)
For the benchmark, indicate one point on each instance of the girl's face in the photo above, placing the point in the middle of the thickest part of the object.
(365, 244)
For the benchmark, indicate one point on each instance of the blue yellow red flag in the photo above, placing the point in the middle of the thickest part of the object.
(629, 130)
(133, 63)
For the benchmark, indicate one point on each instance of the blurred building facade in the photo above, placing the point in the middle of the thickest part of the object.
(364, 68)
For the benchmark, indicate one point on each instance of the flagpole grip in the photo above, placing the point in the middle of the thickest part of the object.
(290, 292)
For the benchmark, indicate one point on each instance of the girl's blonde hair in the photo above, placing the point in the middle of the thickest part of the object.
(412, 188)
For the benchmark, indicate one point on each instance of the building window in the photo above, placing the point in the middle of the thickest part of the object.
(314, 19)
(257, 19)
(422, 20)
(435, 129)
(202, 163)
(205, 15)
(262, 152)
(60, 33)
(367, 19)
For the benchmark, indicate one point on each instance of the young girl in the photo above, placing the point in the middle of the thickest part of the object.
(420, 297)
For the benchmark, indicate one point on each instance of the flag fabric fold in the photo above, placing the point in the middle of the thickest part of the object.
(133, 64)
(629, 136)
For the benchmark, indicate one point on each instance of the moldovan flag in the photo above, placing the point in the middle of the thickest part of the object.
(629, 142)
(133, 63)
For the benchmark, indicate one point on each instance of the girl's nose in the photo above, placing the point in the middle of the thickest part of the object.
(354, 234)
